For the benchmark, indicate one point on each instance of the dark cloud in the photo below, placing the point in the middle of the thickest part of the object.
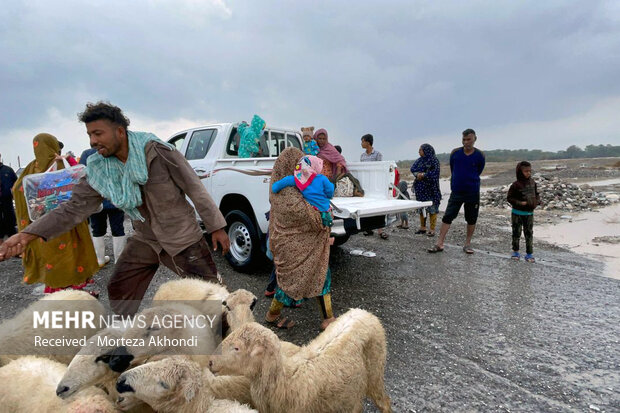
(400, 69)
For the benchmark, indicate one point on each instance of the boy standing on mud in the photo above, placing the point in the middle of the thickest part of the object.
(524, 198)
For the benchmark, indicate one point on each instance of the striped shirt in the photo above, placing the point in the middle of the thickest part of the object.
(371, 157)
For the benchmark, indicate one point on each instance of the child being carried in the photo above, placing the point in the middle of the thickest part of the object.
(310, 145)
(316, 189)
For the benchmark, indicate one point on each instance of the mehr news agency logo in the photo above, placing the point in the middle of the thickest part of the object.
(66, 319)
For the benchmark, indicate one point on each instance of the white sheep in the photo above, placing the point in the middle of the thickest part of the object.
(332, 373)
(203, 295)
(178, 385)
(238, 307)
(139, 336)
(29, 385)
(17, 335)
(238, 311)
(90, 367)
(190, 289)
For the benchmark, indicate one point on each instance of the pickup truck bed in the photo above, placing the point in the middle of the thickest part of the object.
(361, 207)
(240, 187)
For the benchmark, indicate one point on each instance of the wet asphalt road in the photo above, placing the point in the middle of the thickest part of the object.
(465, 333)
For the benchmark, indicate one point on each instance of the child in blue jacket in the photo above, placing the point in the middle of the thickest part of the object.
(316, 189)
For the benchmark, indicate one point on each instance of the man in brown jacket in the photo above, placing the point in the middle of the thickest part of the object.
(166, 230)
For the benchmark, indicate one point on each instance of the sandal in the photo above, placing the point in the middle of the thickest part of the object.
(284, 323)
(436, 248)
(369, 232)
(384, 235)
(430, 234)
(420, 231)
(270, 293)
(468, 249)
(515, 256)
(529, 258)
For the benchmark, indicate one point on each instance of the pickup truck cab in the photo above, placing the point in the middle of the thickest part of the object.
(240, 186)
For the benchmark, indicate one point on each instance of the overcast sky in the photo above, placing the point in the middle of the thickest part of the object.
(523, 74)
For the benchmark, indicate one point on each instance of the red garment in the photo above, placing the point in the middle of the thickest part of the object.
(396, 181)
(49, 290)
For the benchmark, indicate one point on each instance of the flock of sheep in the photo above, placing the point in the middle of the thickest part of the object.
(254, 369)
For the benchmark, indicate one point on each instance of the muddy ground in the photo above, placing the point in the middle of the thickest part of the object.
(465, 333)
(572, 170)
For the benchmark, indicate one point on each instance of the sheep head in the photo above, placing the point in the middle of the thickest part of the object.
(238, 308)
(245, 350)
(163, 384)
(89, 366)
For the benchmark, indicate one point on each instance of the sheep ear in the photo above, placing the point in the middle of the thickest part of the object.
(257, 351)
(253, 304)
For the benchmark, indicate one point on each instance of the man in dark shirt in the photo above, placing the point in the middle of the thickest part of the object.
(7, 213)
(466, 165)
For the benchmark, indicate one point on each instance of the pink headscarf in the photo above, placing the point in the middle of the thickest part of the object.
(306, 169)
(330, 154)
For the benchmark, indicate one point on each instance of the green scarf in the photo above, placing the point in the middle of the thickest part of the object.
(120, 182)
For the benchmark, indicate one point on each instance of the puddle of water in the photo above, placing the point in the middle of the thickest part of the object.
(604, 182)
(578, 235)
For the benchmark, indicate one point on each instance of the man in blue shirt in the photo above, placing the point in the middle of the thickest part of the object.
(466, 165)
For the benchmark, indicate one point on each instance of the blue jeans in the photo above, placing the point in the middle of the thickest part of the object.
(273, 282)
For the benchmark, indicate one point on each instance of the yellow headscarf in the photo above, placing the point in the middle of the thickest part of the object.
(66, 260)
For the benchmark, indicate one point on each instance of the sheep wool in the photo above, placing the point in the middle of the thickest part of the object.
(90, 367)
(29, 385)
(179, 385)
(16, 334)
(332, 373)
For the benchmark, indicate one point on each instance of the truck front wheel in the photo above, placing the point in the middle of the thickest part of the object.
(338, 241)
(244, 241)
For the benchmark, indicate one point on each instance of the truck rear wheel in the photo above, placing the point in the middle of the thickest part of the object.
(244, 241)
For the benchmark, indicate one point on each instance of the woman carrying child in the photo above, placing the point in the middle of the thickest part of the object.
(314, 186)
(299, 241)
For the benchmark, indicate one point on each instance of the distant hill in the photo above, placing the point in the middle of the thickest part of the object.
(572, 152)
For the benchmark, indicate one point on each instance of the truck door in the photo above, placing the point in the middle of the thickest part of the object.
(197, 148)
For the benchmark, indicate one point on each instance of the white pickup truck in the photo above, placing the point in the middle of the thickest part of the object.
(240, 186)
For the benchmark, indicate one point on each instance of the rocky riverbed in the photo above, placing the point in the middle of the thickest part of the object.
(557, 194)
